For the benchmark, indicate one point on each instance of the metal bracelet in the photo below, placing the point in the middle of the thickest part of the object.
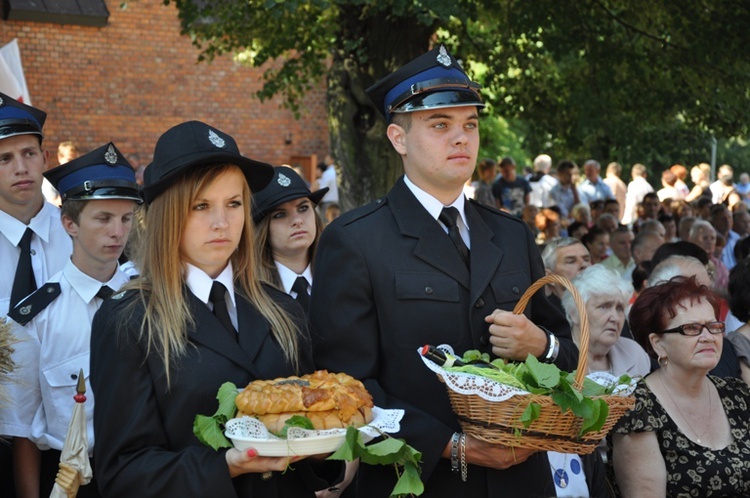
(464, 470)
(551, 347)
(454, 451)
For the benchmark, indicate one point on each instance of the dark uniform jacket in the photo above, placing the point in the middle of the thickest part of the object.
(389, 280)
(145, 445)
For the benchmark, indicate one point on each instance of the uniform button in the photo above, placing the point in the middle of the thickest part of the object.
(33, 252)
(428, 290)
(516, 290)
(479, 303)
(73, 376)
(379, 201)
(484, 340)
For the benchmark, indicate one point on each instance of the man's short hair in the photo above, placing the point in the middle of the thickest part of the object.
(565, 166)
(549, 253)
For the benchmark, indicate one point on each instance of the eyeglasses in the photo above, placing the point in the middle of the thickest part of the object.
(692, 329)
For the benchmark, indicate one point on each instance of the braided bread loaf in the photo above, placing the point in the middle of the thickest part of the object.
(330, 401)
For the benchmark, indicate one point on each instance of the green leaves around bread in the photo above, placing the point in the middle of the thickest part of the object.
(389, 451)
(210, 430)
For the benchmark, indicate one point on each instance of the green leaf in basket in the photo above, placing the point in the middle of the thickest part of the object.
(598, 419)
(531, 413)
(567, 398)
(352, 447)
(545, 375)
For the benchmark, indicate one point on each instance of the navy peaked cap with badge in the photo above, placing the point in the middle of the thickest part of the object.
(103, 173)
(17, 118)
(286, 186)
(431, 81)
(193, 144)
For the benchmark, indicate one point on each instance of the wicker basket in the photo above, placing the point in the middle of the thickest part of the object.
(499, 421)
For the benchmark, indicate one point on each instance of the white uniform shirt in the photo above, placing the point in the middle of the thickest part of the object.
(200, 284)
(328, 179)
(59, 338)
(288, 277)
(51, 248)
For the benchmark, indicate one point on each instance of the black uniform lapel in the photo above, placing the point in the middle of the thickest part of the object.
(486, 254)
(434, 246)
(210, 333)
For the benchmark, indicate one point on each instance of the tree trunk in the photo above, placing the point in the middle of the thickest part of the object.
(368, 164)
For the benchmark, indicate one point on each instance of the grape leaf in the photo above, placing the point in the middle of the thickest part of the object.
(545, 374)
(210, 430)
(409, 483)
(296, 421)
(531, 413)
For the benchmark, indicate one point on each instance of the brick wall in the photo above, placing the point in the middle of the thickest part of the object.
(133, 79)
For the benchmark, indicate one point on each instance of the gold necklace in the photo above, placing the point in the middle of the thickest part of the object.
(708, 426)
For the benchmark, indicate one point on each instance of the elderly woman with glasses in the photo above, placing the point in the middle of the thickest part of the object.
(688, 431)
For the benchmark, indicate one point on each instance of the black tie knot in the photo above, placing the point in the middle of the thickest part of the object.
(449, 217)
(25, 244)
(104, 292)
(300, 287)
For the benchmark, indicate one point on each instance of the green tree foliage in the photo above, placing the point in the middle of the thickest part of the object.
(625, 80)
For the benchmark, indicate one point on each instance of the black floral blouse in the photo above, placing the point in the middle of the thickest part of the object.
(692, 469)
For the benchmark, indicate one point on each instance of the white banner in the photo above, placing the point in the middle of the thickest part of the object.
(12, 79)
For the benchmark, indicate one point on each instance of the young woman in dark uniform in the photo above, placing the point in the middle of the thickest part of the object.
(197, 317)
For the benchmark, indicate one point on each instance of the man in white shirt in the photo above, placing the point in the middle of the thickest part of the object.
(328, 179)
(637, 190)
(99, 195)
(593, 188)
(33, 244)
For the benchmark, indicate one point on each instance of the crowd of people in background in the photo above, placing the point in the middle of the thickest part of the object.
(223, 251)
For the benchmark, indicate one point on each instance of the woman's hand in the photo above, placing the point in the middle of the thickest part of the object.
(248, 461)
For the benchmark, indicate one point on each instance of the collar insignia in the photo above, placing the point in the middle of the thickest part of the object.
(119, 295)
(216, 139)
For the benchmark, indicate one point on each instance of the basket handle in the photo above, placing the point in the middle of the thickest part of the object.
(583, 348)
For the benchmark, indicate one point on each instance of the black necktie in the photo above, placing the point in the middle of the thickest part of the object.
(303, 298)
(218, 299)
(104, 292)
(449, 217)
(24, 282)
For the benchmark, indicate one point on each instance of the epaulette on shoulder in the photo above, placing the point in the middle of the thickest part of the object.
(494, 210)
(26, 310)
(362, 211)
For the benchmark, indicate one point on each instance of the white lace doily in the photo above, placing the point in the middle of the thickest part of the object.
(491, 390)
(251, 428)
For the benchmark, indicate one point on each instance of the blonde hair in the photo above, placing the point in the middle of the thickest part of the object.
(167, 315)
(267, 270)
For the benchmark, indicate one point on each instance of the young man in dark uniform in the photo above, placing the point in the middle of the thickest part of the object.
(416, 272)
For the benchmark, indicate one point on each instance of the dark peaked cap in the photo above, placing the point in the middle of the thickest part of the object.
(192, 144)
(103, 173)
(17, 118)
(286, 186)
(431, 81)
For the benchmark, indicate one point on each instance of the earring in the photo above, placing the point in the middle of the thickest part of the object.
(663, 361)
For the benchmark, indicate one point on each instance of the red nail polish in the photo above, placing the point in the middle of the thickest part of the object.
(252, 453)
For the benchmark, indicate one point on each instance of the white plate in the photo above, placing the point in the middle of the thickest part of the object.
(248, 432)
(314, 445)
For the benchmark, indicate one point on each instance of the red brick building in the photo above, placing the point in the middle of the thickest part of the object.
(135, 77)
